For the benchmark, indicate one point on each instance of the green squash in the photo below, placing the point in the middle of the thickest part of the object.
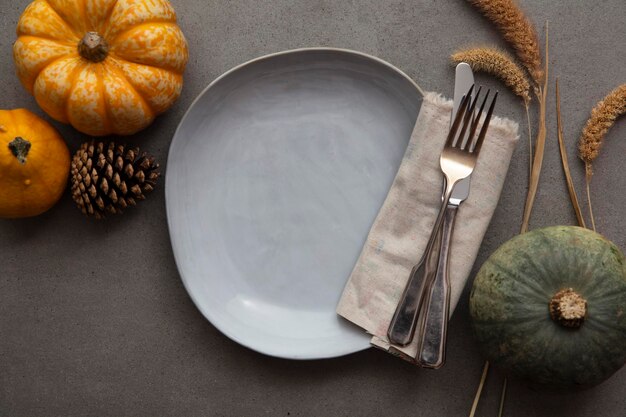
(549, 306)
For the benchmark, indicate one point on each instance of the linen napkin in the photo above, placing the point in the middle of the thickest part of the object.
(401, 230)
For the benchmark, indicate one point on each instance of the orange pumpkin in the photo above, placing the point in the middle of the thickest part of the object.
(104, 66)
(34, 164)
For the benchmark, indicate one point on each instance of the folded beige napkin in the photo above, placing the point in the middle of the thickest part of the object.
(402, 228)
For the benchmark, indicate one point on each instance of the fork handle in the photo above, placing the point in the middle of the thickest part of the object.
(403, 323)
(434, 330)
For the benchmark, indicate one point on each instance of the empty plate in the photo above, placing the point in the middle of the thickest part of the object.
(274, 177)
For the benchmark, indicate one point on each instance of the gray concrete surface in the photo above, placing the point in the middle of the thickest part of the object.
(94, 320)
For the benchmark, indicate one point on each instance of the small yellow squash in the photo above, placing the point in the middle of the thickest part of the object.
(34, 164)
(104, 66)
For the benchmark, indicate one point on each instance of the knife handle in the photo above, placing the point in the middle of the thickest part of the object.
(436, 310)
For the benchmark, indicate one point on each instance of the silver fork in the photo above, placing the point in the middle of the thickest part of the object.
(457, 162)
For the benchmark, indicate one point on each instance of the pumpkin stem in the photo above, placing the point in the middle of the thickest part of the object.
(19, 148)
(568, 308)
(93, 47)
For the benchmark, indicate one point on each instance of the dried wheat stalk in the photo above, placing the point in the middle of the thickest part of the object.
(564, 161)
(499, 64)
(516, 30)
(502, 398)
(479, 391)
(521, 35)
(540, 144)
(603, 116)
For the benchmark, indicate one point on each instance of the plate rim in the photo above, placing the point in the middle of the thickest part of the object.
(207, 316)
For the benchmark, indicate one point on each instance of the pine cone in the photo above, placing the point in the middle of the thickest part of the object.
(107, 179)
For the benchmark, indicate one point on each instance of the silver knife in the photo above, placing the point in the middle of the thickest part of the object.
(436, 310)
(464, 79)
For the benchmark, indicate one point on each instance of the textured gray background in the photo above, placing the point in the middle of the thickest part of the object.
(94, 320)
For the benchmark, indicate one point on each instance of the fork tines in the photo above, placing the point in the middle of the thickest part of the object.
(466, 115)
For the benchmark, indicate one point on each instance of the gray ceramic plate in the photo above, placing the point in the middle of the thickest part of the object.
(274, 177)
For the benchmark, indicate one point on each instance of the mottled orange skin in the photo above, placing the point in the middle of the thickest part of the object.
(33, 187)
(140, 78)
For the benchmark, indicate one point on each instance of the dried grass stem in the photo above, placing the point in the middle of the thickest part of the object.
(540, 144)
(564, 161)
(498, 63)
(517, 31)
(602, 118)
(479, 391)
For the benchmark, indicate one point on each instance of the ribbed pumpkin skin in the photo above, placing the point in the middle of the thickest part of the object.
(140, 77)
(510, 315)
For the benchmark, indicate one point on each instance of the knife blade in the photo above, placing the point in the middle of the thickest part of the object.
(464, 79)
